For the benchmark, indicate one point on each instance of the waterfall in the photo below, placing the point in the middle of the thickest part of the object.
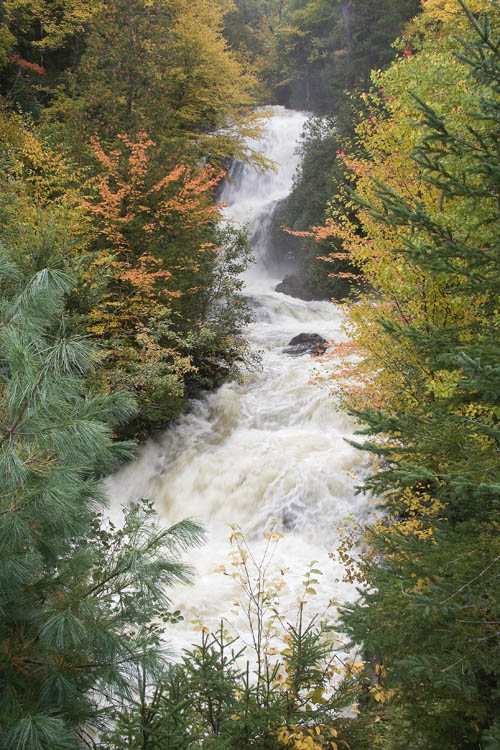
(252, 196)
(268, 450)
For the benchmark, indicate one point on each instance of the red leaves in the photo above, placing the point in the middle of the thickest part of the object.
(33, 67)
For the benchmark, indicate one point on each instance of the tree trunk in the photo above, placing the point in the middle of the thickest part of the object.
(346, 21)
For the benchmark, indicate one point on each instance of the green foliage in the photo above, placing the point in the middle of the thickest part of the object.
(42, 40)
(281, 685)
(430, 611)
(319, 172)
(160, 285)
(440, 651)
(156, 279)
(327, 54)
(329, 48)
(161, 67)
(308, 53)
(77, 598)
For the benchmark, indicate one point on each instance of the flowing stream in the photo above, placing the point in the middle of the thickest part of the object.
(269, 450)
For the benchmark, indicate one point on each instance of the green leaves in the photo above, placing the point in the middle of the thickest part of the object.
(430, 612)
(76, 598)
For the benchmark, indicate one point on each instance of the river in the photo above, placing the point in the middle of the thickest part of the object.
(267, 451)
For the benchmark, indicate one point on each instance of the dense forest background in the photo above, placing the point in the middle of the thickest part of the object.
(121, 299)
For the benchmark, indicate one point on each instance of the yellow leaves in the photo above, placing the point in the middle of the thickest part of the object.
(274, 537)
(216, 87)
(37, 169)
(356, 668)
(418, 509)
(417, 501)
(444, 383)
(422, 585)
(383, 369)
(413, 527)
(319, 737)
(440, 17)
(283, 734)
(276, 641)
(71, 18)
(381, 695)
(140, 280)
(201, 628)
(317, 696)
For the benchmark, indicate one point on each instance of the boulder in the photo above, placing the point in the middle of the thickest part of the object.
(304, 343)
(297, 287)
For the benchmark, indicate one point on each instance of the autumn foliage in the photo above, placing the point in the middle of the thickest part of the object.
(420, 375)
(126, 195)
(149, 266)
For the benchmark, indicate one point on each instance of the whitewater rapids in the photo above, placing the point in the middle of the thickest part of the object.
(269, 451)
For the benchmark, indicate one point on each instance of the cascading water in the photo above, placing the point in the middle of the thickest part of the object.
(268, 450)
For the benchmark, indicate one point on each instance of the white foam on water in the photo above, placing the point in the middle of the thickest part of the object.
(268, 450)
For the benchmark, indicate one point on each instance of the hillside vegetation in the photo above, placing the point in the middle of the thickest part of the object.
(121, 299)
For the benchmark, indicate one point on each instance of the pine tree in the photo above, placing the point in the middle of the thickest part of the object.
(431, 610)
(77, 596)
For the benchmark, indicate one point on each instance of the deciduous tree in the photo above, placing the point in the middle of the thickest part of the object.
(429, 332)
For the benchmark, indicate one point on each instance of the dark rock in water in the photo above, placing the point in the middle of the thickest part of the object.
(288, 520)
(312, 343)
(292, 514)
(284, 250)
(295, 286)
(233, 168)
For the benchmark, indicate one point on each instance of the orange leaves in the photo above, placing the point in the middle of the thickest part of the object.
(143, 277)
(138, 159)
(330, 229)
(33, 67)
(318, 233)
(357, 166)
(346, 275)
(175, 174)
(296, 233)
(132, 204)
(323, 232)
(152, 258)
(192, 201)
